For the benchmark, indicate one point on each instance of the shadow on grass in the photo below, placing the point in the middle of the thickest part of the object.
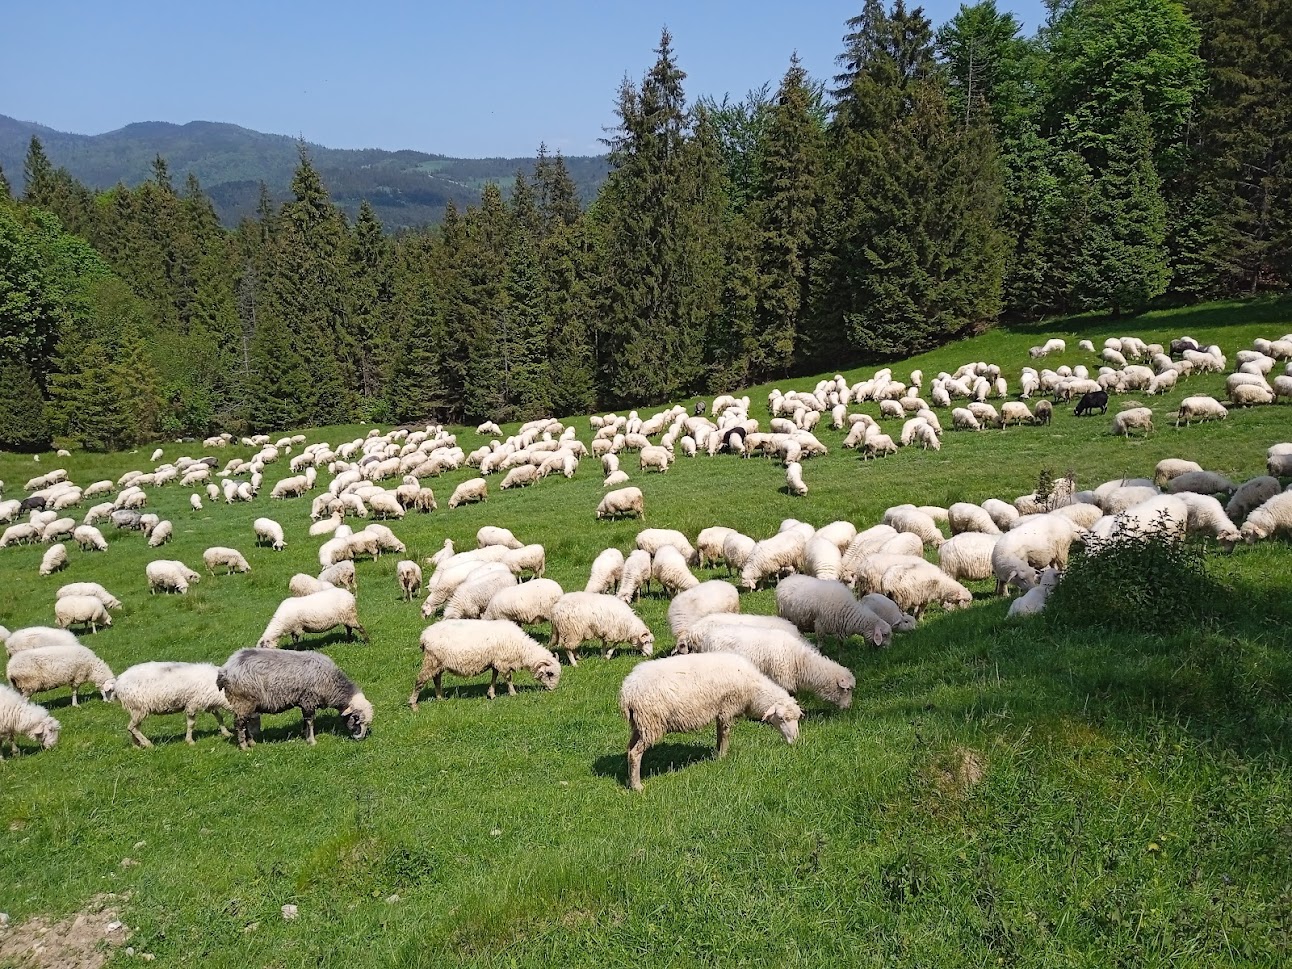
(1268, 309)
(660, 759)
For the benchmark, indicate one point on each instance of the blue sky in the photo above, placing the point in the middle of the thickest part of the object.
(471, 79)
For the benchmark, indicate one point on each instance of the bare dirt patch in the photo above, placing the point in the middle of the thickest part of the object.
(83, 940)
(959, 772)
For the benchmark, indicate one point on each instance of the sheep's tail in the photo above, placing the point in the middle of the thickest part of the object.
(221, 679)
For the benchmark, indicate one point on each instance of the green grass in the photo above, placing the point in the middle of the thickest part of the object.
(1135, 805)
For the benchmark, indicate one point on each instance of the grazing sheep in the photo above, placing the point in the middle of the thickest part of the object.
(1039, 543)
(1164, 515)
(409, 574)
(614, 478)
(54, 560)
(683, 693)
(669, 569)
(50, 667)
(468, 647)
(964, 516)
(18, 715)
(493, 535)
(269, 532)
(315, 613)
(1169, 468)
(528, 603)
(305, 585)
(635, 576)
(606, 571)
(709, 544)
(34, 637)
(968, 556)
(704, 599)
(1247, 395)
(822, 559)
(1136, 418)
(915, 522)
(471, 598)
(89, 538)
(653, 539)
(654, 456)
(170, 575)
(519, 477)
(158, 688)
(878, 445)
(1269, 519)
(195, 501)
(1207, 517)
(1044, 412)
(229, 559)
(914, 585)
(887, 610)
(581, 616)
(1202, 483)
(90, 589)
(623, 502)
(1200, 408)
(827, 608)
(721, 626)
(1250, 495)
(259, 681)
(787, 659)
(341, 575)
(1016, 411)
(81, 611)
(736, 550)
(469, 491)
(773, 557)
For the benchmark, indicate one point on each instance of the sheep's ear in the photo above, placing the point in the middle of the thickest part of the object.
(877, 636)
(843, 683)
(772, 711)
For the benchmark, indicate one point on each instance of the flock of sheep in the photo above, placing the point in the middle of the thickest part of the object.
(831, 583)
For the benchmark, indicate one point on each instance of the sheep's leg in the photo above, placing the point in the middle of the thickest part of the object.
(243, 733)
(724, 735)
(219, 718)
(569, 654)
(75, 687)
(636, 748)
(308, 715)
(511, 687)
(493, 683)
(133, 729)
(439, 685)
(190, 717)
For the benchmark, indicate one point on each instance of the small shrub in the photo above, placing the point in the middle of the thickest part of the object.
(1143, 582)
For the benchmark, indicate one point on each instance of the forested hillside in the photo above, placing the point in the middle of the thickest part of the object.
(406, 189)
(1130, 151)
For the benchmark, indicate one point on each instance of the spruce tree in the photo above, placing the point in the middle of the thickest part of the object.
(38, 176)
(416, 390)
(23, 426)
(557, 196)
(370, 295)
(6, 192)
(569, 269)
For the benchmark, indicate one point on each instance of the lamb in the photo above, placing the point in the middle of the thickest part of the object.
(471, 598)
(50, 667)
(54, 560)
(1251, 495)
(229, 559)
(258, 681)
(669, 569)
(964, 516)
(81, 611)
(1200, 408)
(968, 556)
(779, 555)
(89, 538)
(1169, 468)
(914, 585)
(606, 570)
(787, 659)
(623, 502)
(409, 574)
(315, 613)
(704, 599)
(827, 608)
(341, 575)
(493, 535)
(1202, 483)
(581, 616)
(90, 589)
(1044, 541)
(887, 610)
(469, 492)
(683, 693)
(915, 522)
(653, 539)
(269, 532)
(33, 637)
(1271, 518)
(20, 716)
(1136, 418)
(528, 603)
(1033, 600)
(468, 647)
(158, 688)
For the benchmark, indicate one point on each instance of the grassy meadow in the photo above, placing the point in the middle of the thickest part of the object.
(1000, 793)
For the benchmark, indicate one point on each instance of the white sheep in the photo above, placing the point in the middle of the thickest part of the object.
(341, 575)
(794, 483)
(635, 576)
(471, 598)
(721, 626)
(409, 574)
(968, 556)
(468, 647)
(1136, 418)
(709, 544)
(50, 667)
(772, 557)
(581, 616)
(683, 693)
(704, 599)
(787, 659)
(736, 550)
(1207, 517)
(527, 603)
(469, 491)
(964, 516)
(54, 560)
(33, 637)
(301, 584)
(221, 557)
(1246, 395)
(269, 532)
(669, 569)
(653, 539)
(1169, 468)
(827, 609)
(1002, 513)
(822, 558)
(916, 522)
(1271, 518)
(76, 610)
(159, 688)
(607, 568)
(623, 502)
(1200, 408)
(1044, 541)
(914, 585)
(315, 613)
(89, 538)
(195, 501)
(494, 535)
(654, 456)
(90, 589)
(18, 715)
(615, 478)
(1033, 600)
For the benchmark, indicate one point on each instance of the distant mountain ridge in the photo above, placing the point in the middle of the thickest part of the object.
(406, 188)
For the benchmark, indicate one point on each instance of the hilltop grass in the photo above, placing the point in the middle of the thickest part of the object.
(1014, 793)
